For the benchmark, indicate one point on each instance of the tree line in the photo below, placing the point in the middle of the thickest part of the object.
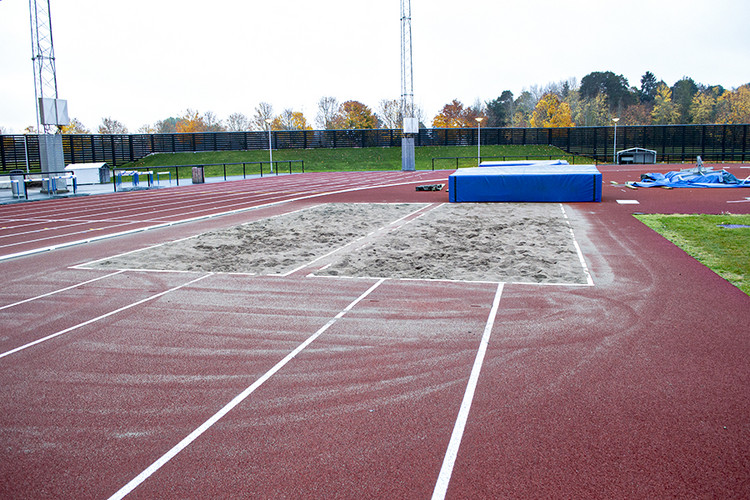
(600, 97)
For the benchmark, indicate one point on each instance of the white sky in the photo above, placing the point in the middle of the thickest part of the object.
(140, 61)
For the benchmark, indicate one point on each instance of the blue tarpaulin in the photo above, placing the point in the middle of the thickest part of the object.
(692, 178)
(526, 183)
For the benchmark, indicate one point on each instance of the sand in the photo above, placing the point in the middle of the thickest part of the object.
(497, 242)
(508, 242)
(275, 245)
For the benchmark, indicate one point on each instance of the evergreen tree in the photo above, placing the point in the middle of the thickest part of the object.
(648, 87)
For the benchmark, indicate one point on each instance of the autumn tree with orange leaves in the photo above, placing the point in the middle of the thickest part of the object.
(355, 115)
(455, 115)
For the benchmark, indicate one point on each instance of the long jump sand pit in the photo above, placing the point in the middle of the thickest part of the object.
(497, 242)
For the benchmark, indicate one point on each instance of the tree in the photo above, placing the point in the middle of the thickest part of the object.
(734, 106)
(453, 115)
(263, 112)
(682, 96)
(389, 113)
(237, 122)
(75, 127)
(523, 105)
(703, 105)
(146, 129)
(637, 114)
(592, 112)
(665, 111)
(110, 126)
(167, 126)
(290, 120)
(355, 115)
(551, 112)
(212, 123)
(615, 87)
(500, 110)
(193, 122)
(328, 107)
(648, 87)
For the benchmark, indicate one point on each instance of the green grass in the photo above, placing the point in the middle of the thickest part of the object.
(724, 251)
(346, 159)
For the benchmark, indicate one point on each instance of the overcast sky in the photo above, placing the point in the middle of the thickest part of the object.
(141, 61)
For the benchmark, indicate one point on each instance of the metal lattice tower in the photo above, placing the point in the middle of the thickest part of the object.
(410, 127)
(407, 73)
(42, 54)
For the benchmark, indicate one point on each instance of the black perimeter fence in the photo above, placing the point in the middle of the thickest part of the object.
(673, 143)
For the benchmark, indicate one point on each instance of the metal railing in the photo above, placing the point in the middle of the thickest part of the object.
(48, 182)
(133, 174)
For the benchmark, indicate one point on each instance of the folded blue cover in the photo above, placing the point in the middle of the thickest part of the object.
(692, 178)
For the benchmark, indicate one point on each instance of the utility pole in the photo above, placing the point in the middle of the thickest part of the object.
(410, 123)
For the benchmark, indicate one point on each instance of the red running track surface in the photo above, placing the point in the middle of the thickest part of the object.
(636, 387)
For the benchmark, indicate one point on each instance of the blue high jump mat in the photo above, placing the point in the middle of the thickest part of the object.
(537, 182)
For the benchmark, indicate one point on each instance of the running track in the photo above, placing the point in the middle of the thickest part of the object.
(177, 385)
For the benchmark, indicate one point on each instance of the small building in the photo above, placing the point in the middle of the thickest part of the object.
(90, 173)
(636, 155)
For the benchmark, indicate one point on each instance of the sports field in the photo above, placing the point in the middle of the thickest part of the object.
(616, 370)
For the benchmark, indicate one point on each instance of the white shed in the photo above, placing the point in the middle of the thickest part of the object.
(90, 173)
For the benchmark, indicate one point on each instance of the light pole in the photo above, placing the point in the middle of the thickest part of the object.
(270, 148)
(479, 136)
(614, 148)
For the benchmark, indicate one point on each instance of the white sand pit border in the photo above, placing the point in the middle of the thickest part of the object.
(488, 242)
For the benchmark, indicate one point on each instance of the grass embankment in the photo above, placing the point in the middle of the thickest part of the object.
(723, 250)
(346, 159)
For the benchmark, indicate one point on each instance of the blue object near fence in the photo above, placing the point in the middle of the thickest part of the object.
(529, 183)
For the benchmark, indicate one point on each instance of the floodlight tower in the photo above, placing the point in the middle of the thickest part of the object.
(51, 111)
(43, 58)
(410, 123)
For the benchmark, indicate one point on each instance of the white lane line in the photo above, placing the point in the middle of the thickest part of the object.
(140, 478)
(589, 279)
(60, 290)
(441, 486)
(202, 217)
(94, 320)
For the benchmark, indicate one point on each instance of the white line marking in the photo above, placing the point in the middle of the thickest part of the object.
(94, 320)
(140, 478)
(60, 290)
(441, 487)
(585, 268)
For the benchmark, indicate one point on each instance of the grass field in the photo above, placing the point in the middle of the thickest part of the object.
(348, 159)
(726, 251)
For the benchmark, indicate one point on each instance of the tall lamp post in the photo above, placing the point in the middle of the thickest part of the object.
(479, 136)
(270, 148)
(614, 148)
